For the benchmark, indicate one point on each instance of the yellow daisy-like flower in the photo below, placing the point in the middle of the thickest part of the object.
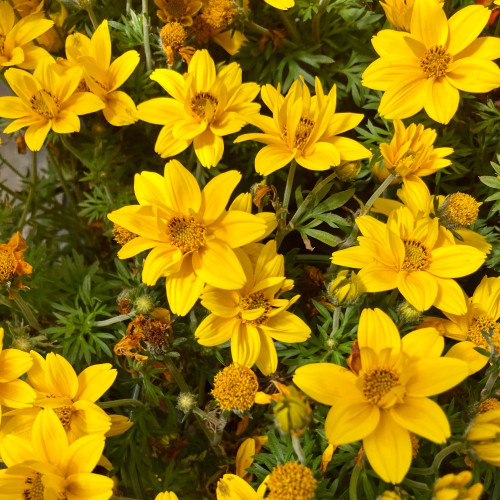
(235, 388)
(484, 437)
(389, 397)
(232, 487)
(71, 397)
(180, 11)
(49, 466)
(291, 481)
(46, 100)
(405, 253)
(454, 212)
(205, 106)
(303, 128)
(411, 153)
(399, 12)
(167, 495)
(103, 77)
(453, 486)
(16, 38)
(14, 393)
(427, 67)
(469, 328)
(190, 232)
(253, 315)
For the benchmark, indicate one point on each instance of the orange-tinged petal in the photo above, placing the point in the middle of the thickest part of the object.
(418, 288)
(216, 193)
(94, 381)
(182, 190)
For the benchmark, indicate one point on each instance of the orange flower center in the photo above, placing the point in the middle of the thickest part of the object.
(35, 488)
(417, 256)
(219, 14)
(458, 210)
(45, 104)
(302, 133)
(435, 61)
(64, 414)
(488, 405)
(7, 266)
(204, 106)
(2, 41)
(122, 235)
(378, 382)
(291, 481)
(484, 324)
(173, 35)
(235, 388)
(256, 300)
(185, 233)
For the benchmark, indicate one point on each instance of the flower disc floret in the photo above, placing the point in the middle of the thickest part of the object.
(488, 404)
(7, 266)
(235, 388)
(482, 325)
(458, 210)
(417, 256)
(435, 61)
(378, 382)
(173, 35)
(122, 236)
(291, 481)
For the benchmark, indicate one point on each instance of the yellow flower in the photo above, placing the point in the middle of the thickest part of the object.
(12, 263)
(345, 289)
(244, 456)
(411, 153)
(16, 38)
(205, 106)
(119, 425)
(399, 12)
(484, 437)
(389, 495)
(190, 232)
(181, 11)
(427, 67)
(389, 397)
(27, 7)
(481, 315)
(405, 253)
(291, 481)
(232, 487)
(453, 486)
(14, 393)
(281, 4)
(303, 128)
(71, 397)
(167, 495)
(102, 76)
(46, 100)
(253, 315)
(454, 212)
(48, 466)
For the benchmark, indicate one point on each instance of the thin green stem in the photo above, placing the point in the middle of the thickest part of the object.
(114, 319)
(7, 189)
(179, 379)
(313, 259)
(336, 320)
(257, 28)
(438, 459)
(145, 34)
(91, 13)
(489, 384)
(297, 447)
(119, 402)
(55, 165)
(353, 483)
(26, 311)
(9, 165)
(27, 203)
(289, 185)
(290, 27)
(283, 229)
(415, 484)
(73, 150)
(315, 22)
(128, 6)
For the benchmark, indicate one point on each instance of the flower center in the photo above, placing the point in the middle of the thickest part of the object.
(235, 388)
(185, 233)
(488, 405)
(404, 164)
(435, 61)
(7, 266)
(64, 414)
(45, 104)
(378, 382)
(417, 256)
(176, 8)
(256, 300)
(458, 210)
(291, 481)
(302, 133)
(35, 488)
(219, 14)
(204, 106)
(122, 235)
(481, 324)
(173, 35)
(2, 42)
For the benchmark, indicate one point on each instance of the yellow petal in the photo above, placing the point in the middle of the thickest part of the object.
(377, 330)
(383, 72)
(418, 288)
(120, 109)
(238, 228)
(183, 194)
(423, 343)
(121, 68)
(94, 381)
(232, 487)
(61, 376)
(208, 148)
(320, 156)
(16, 394)
(171, 81)
(484, 47)
(271, 158)
(349, 149)
(450, 298)
(35, 135)
(429, 23)
(161, 261)
(245, 345)
(83, 454)
(465, 26)
(100, 45)
(440, 99)
(66, 122)
(49, 438)
(267, 362)
(466, 352)
(216, 194)
(356, 257)
(83, 486)
(221, 302)
(377, 277)
(214, 330)
(403, 98)
(286, 327)
(83, 103)
(455, 261)
(13, 363)
(160, 110)
(486, 74)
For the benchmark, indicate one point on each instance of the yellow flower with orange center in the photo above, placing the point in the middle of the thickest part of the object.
(191, 234)
(389, 397)
(253, 315)
(427, 67)
(304, 129)
(406, 253)
(205, 106)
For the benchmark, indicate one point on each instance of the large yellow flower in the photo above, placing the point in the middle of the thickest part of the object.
(405, 253)
(14, 392)
(16, 38)
(389, 397)
(46, 100)
(103, 77)
(303, 128)
(190, 232)
(71, 397)
(484, 437)
(48, 466)
(204, 107)
(411, 153)
(427, 67)
(252, 316)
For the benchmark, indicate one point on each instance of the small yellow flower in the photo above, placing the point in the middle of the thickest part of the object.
(484, 437)
(232, 487)
(303, 128)
(252, 316)
(181, 11)
(103, 77)
(191, 235)
(406, 253)
(205, 106)
(12, 263)
(399, 12)
(46, 100)
(291, 481)
(427, 67)
(292, 411)
(389, 397)
(16, 38)
(453, 486)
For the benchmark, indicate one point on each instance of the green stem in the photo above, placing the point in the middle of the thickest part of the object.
(27, 203)
(91, 13)
(314, 259)
(415, 484)
(7, 189)
(73, 151)
(145, 34)
(115, 319)
(257, 28)
(336, 320)
(290, 27)
(55, 165)
(179, 379)
(489, 384)
(128, 6)
(26, 311)
(9, 165)
(315, 22)
(283, 229)
(119, 402)
(353, 484)
(298, 450)
(438, 459)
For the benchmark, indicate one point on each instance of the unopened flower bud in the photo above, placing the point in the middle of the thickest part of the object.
(407, 313)
(186, 402)
(345, 289)
(348, 170)
(292, 412)
(143, 304)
